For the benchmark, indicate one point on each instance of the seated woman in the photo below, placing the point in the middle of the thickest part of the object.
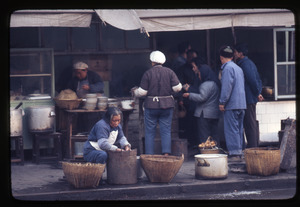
(104, 135)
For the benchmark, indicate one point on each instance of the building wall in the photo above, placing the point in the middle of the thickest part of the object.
(269, 114)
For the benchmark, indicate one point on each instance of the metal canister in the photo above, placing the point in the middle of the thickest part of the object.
(122, 167)
(41, 118)
(16, 123)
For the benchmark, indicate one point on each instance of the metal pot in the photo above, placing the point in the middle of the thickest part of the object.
(211, 166)
(41, 118)
(16, 123)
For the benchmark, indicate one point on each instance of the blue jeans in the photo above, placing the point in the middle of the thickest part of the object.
(234, 130)
(164, 118)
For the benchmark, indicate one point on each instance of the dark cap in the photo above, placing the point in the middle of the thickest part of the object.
(242, 47)
(226, 51)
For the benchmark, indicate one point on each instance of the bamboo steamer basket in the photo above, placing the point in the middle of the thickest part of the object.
(83, 175)
(262, 161)
(161, 168)
(67, 103)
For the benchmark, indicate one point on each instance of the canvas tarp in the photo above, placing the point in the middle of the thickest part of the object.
(195, 19)
(51, 18)
(156, 20)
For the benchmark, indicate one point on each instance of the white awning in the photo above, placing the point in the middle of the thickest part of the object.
(125, 19)
(51, 18)
(156, 20)
(199, 19)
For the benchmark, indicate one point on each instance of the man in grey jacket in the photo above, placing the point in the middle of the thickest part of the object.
(233, 103)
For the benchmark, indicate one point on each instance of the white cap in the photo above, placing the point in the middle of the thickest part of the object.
(80, 65)
(157, 57)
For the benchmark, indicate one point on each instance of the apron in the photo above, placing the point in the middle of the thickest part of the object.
(111, 140)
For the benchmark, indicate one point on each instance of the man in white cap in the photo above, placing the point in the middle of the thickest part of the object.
(85, 81)
(158, 84)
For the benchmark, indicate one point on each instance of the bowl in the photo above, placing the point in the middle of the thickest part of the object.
(127, 104)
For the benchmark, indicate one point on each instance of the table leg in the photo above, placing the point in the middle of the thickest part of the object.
(69, 134)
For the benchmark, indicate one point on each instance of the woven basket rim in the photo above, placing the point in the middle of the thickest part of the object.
(57, 99)
(261, 150)
(80, 164)
(161, 158)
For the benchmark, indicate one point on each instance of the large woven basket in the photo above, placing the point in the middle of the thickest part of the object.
(83, 175)
(161, 168)
(262, 161)
(67, 103)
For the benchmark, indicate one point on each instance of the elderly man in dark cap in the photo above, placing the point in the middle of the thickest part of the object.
(233, 103)
(253, 87)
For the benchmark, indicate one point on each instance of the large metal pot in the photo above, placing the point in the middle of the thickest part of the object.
(211, 166)
(41, 118)
(16, 124)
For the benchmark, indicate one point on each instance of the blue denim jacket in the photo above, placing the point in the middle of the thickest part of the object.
(253, 85)
(232, 89)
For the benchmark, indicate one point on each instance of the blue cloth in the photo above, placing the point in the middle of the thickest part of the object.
(94, 156)
(233, 88)
(253, 84)
(233, 131)
(164, 118)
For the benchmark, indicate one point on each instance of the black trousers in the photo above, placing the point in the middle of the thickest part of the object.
(206, 127)
(251, 126)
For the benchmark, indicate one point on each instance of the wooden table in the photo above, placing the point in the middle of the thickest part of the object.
(71, 114)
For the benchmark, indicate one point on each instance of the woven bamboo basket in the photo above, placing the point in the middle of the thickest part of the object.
(67, 103)
(262, 161)
(160, 168)
(83, 175)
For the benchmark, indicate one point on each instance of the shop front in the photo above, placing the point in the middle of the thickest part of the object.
(42, 54)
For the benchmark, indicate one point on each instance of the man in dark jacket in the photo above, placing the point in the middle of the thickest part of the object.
(85, 81)
(253, 87)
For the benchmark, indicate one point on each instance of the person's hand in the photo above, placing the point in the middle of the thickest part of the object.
(127, 148)
(186, 87)
(186, 95)
(119, 150)
(222, 107)
(180, 103)
(86, 87)
(260, 97)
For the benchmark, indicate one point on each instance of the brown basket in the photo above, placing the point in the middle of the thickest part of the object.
(262, 161)
(210, 151)
(67, 103)
(83, 175)
(161, 168)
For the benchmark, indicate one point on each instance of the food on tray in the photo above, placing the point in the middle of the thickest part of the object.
(208, 144)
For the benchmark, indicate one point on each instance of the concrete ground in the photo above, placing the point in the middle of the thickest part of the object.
(47, 182)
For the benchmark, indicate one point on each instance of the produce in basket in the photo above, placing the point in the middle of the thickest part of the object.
(67, 94)
(208, 144)
(67, 99)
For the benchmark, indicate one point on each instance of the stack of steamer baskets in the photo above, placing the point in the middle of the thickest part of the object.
(210, 164)
(102, 102)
